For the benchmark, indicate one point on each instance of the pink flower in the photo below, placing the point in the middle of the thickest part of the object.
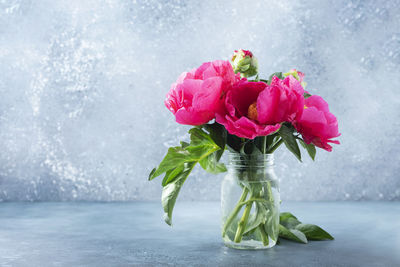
(283, 100)
(197, 94)
(317, 125)
(239, 115)
(298, 75)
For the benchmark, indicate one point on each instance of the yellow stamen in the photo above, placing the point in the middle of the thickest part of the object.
(252, 111)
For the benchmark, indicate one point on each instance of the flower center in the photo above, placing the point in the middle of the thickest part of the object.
(305, 107)
(252, 111)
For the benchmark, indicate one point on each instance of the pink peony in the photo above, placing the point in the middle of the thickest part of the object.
(239, 115)
(197, 94)
(317, 125)
(283, 100)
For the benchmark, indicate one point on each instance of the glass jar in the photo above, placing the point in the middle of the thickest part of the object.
(250, 202)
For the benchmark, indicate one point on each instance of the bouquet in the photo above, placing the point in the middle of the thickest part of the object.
(232, 108)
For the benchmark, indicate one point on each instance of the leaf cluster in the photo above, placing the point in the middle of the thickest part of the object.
(292, 229)
(207, 144)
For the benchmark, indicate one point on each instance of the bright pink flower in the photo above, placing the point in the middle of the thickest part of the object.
(317, 125)
(283, 100)
(239, 115)
(197, 94)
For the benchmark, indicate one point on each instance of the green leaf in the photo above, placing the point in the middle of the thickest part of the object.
(233, 142)
(288, 220)
(271, 140)
(175, 157)
(171, 190)
(171, 174)
(199, 137)
(263, 80)
(218, 134)
(184, 144)
(314, 232)
(151, 173)
(211, 164)
(272, 225)
(286, 215)
(290, 141)
(292, 234)
(309, 147)
(179, 162)
(306, 95)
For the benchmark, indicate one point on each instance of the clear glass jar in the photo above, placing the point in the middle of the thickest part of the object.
(250, 202)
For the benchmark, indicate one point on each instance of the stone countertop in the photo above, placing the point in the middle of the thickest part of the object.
(134, 234)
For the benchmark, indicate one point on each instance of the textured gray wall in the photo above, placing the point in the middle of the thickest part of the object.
(82, 85)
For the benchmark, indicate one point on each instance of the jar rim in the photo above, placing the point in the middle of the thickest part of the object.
(254, 160)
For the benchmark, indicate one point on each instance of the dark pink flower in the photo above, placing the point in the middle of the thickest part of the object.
(282, 100)
(239, 115)
(317, 125)
(197, 94)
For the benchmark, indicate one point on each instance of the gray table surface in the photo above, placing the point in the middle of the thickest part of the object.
(134, 234)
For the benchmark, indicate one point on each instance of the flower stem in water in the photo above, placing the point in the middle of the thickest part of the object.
(264, 235)
(235, 211)
(242, 223)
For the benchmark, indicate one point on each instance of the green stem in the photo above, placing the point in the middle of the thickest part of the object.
(264, 144)
(242, 223)
(270, 195)
(275, 146)
(257, 199)
(264, 235)
(235, 211)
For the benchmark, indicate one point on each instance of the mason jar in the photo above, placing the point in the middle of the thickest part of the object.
(250, 202)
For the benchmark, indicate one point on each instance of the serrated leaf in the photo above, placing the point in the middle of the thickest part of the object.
(292, 234)
(290, 141)
(314, 232)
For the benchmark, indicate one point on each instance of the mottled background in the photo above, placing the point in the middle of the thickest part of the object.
(82, 85)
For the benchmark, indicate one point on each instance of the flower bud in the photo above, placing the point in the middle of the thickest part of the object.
(298, 75)
(244, 62)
